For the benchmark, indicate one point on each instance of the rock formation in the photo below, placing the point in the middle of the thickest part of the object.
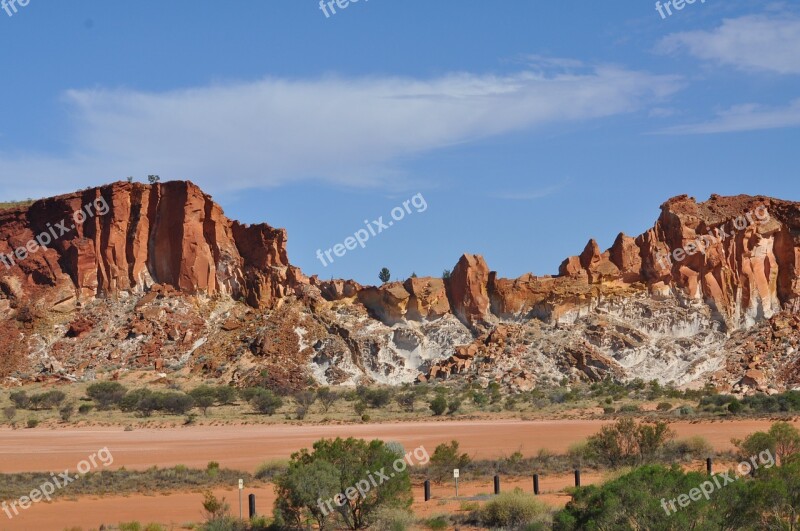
(155, 277)
(138, 235)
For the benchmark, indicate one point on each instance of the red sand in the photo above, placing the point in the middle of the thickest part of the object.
(175, 510)
(245, 447)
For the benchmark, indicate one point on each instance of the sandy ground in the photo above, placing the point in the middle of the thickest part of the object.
(177, 509)
(246, 447)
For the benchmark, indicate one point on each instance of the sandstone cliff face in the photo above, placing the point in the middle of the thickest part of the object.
(659, 306)
(154, 278)
(171, 234)
(740, 256)
(735, 254)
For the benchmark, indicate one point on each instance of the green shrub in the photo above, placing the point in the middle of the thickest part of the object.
(84, 409)
(495, 392)
(360, 407)
(437, 523)
(204, 397)
(392, 519)
(9, 413)
(783, 402)
(690, 449)
(735, 407)
(445, 458)
(406, 401)
(260, 523)
(375, 398)
(698, 447)
(270, 469)
(479, 398)
(214, 508)
(333, 467)
(225, 523)
(142, 401)
(32, 423)
(212, 469)
(469, 506)
(327, 398)
(266, 402)
(626, 443)
(66, 411)
(664, 406)
(579, 452)
(225, 394)
(454, 406)
(177, 403)
(511, 403)
(47, 400)
(511, 510)
(106, 394)
(20, 399)
(438, 405)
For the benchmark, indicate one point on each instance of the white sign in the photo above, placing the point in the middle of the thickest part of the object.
(455, 473)
(241, 484)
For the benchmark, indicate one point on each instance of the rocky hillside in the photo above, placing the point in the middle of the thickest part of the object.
(155, 277)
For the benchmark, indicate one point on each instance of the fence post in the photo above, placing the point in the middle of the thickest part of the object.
(709, 462)
(497, 484)
(427, 490)
(252, 500)
(577, 478)
(536, 484)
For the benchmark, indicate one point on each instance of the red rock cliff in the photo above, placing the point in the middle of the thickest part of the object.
(739, 255)
(138, 235)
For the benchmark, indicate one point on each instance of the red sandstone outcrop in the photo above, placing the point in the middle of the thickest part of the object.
(737, 258)
(467, 286)
(140, 235)
(388, 302)
(336, 290)
(428, 298)
(739, 254)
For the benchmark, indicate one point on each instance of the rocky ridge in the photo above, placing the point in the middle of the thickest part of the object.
(164, 281)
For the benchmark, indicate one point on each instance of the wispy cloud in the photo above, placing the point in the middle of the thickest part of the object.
(351, 132)
(748, 117)
(768, 42)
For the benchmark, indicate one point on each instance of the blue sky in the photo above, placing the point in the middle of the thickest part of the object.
(527, 126)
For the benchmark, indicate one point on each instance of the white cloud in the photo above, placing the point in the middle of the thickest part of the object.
(768, 43)
(748, 117)
(352, 132)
